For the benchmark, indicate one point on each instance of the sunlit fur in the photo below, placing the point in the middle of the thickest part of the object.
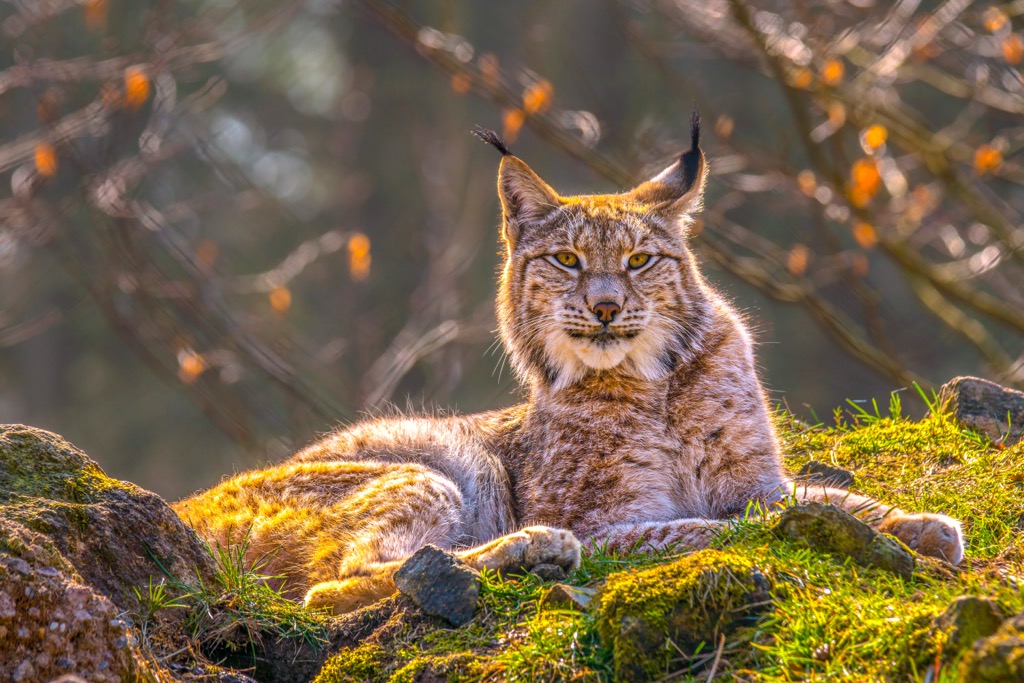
(646, 433)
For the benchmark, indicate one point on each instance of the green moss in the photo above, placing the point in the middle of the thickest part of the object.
(647, 616)
(828, 619)
(38, 464)
(363, 664)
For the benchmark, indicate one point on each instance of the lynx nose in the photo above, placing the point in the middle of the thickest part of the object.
(606, 311)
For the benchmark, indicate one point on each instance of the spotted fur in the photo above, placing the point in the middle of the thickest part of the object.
(647, 431)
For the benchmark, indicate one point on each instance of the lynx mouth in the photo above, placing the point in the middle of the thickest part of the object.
(603, 337)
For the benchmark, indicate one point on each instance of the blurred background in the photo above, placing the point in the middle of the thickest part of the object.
(227, 226)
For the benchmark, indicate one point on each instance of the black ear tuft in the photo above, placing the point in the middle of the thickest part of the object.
(690, 161)
(491, 138)
(694, 129)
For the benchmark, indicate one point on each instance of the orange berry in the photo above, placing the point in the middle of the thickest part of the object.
(136, 87)
(875, 136)
(797, 259)
(807, 182)
(46, 160)
(832, 72)
(1013, 49)
(537, 98)
(359, 258)
(514, 119)
(801, 78)
(865, 234)
(280, 299)
(994, 19)
(461, 83)
(987, 159)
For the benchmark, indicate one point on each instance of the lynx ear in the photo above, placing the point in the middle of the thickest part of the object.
(679, 189)
(524, 197)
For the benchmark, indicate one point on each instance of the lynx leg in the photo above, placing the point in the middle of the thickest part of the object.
(375, 529)
(355, 592)
(526, 549)
(694, 533)
(928, 534)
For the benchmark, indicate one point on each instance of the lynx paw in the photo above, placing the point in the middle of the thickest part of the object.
(932, 535)
(348, 595)
(526, 549)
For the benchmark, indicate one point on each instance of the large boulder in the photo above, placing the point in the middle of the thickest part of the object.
(644, 616)
(986, 407)
(114, 534)
(74, 543)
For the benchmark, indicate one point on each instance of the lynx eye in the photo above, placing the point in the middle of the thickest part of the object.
(568, 259)
(637, 261)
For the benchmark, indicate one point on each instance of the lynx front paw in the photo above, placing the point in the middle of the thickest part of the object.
(932, 535)
(551, 546)
(526, 549)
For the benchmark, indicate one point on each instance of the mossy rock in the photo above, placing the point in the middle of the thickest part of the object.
(966, 620)
(998, 658)
(363, 664)
(110, 534)
(646, 617)
(833, 530)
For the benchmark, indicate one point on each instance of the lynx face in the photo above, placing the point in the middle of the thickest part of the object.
(603, 286)
(600, 283)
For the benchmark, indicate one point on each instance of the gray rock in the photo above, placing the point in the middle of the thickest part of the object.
(441, 585)
(563, 596)
(548, 572)
(986, 407)
(967, 619)
(820, 473)
(829, 528)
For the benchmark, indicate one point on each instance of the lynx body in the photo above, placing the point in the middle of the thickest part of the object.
(646, 424)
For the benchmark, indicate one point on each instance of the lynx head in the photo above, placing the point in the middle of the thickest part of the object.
(600, 284)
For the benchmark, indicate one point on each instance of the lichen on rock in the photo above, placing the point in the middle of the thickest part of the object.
(646, 617)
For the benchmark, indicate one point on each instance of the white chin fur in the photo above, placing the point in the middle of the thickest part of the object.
(601, 356)
(575, 357)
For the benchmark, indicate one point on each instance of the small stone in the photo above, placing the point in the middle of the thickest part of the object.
(986, 407)
(548, 572)
(967, 619)
(441, 585)
(19, 565)
(24, 672)
(829, 528)
(563, 596)
(821, 473)
(47, 571)
(822, 653)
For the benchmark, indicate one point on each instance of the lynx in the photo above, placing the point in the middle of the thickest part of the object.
(645, 426)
